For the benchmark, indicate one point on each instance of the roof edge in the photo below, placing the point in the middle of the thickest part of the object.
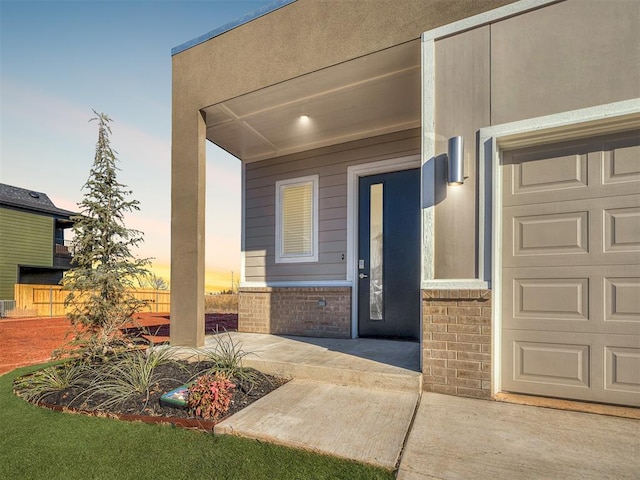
(271, 7)
(54, 211)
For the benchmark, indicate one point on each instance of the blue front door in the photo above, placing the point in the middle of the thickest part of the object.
(389, 255)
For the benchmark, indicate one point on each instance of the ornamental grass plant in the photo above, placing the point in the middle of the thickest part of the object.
(128, 375)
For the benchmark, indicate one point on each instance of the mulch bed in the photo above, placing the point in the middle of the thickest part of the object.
(169, 376)
(30, 341)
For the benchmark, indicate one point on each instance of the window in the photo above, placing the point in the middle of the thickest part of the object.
(297, 220)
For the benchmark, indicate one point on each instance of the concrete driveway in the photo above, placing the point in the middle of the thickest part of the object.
(461, 438)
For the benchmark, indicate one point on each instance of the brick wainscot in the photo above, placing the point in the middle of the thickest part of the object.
(312, 312)
(456, 345)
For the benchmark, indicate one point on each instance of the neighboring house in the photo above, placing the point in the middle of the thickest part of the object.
(524, 278)
(32, 244)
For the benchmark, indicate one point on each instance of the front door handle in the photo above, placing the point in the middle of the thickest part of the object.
(362, 275)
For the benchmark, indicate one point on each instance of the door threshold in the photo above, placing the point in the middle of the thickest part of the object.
(571, 405)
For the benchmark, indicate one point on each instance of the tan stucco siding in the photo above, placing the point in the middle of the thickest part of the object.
(304, 37)
(565, 56)
(462, 105)
(331, 165)
(188, 226)
(25, 239)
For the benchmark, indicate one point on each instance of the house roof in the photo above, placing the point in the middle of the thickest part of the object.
(275, 5)
(25, 199)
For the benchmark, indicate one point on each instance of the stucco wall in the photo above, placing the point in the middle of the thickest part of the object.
(463, 99)
(570, 55)
(565, 56)
(303, 37)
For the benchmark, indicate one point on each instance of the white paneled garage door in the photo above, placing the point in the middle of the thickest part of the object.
(571, 270)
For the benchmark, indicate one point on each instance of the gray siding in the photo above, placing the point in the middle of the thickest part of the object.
(331, 165)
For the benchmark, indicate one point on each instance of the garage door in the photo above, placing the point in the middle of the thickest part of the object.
(571, 270)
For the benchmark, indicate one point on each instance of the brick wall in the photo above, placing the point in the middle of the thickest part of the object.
(296, 311)
(254, 307)
(456, 345)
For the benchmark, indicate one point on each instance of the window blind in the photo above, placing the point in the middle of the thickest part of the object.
(297, 220)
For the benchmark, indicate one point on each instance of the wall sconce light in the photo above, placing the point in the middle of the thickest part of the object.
(455, 167)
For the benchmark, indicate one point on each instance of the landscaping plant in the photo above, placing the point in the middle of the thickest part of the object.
(226, 357)
(103, 268)
(210, 395)
(128, 375)
(35, 387)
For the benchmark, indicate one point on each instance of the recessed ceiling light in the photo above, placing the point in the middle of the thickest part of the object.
(304, 118)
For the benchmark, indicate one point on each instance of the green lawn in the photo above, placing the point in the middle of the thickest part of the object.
(37, 443)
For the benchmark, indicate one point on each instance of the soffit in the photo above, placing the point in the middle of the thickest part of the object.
(372, 95)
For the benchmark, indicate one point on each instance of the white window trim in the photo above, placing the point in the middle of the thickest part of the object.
(314, 180)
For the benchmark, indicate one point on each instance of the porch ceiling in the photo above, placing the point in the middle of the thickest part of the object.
(372, 95)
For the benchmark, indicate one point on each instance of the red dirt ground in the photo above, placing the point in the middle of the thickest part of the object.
(28, 341)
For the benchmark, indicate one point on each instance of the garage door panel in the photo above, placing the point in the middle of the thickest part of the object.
(622, 299)
(600, 231)
(551, 234)
(622, 369)
(555, 300)
(537, 364)
(551, 298)
(600, 167)
(548, 173)
(579, 366)
(547, 233)
(572, 299)
(560, 364)
(621, 229)
(621, 161)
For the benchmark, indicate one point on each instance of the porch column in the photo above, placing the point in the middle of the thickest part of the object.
(187, 225)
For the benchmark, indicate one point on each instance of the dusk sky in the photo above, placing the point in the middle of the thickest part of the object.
(61, 59)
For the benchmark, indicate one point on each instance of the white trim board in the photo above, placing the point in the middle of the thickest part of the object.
(354, 172)
(575, 124)
(298, 284)
(455, 284)
(243, 220)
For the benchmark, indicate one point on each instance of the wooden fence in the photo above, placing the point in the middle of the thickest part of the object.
(48, 300)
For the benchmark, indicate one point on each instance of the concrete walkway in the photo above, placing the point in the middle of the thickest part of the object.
(362, 424)
(349, 398)
(383, 364)
(356, 399)
(460, 438)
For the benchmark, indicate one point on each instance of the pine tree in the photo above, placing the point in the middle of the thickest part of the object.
(103, 268)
